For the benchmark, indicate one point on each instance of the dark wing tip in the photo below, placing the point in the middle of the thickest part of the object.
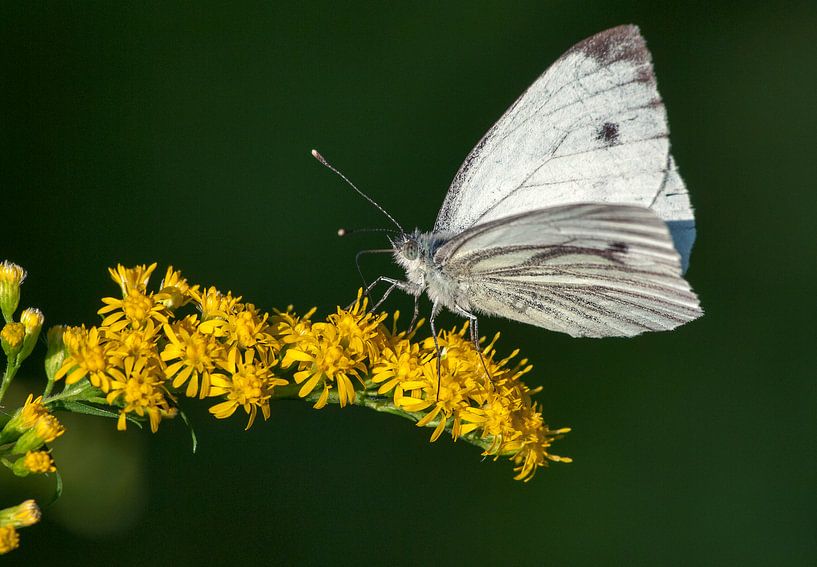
(616, 44)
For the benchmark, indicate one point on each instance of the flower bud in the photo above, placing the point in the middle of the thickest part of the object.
(12, 337)
(33, 462)
(20, 516)
(23, 419)
(32, 319)
(56, 353)
(175, 291)
(11, 276)
(45, 430)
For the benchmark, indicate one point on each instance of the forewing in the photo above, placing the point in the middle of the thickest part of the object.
(592, 128)
(591, 270)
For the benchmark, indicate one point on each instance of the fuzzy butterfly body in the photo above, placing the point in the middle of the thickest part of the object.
(569, 214)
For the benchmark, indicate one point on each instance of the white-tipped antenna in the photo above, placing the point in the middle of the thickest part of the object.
(321, 159)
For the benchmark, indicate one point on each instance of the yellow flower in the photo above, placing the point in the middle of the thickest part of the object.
(249, 385)
(32, 319)
(398, 363)
(73, 336)
(247, 329)
(498, 425)
(23, 419)
(176, 289)
(48, 428)
(214, 304)
(139, 386)
(323, 359)
(195, 355)
(32, 411)
(358, 330)
(135, 309)
(135, 278)
(9, 539)
(20, 516)
(12, 337)
(530, 450)
(88, 355)
(291, 329)
(37, 462)
(452, 400)
(11, 277)
(135, 343)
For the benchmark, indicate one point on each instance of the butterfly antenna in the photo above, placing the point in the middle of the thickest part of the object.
(347, 231)
(323, 161)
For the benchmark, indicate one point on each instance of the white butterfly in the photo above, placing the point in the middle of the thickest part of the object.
(569, 214)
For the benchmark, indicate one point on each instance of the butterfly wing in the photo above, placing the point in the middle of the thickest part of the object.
(592, 128)
(591, 270)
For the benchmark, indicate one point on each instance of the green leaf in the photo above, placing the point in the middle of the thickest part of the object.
(57, 490)
(79, 407)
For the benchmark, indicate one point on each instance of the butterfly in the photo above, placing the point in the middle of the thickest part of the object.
(569, 214)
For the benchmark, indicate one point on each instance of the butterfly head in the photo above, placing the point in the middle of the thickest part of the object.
(412, 252)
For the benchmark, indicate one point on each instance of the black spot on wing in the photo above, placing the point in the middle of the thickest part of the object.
(620, 247)
(608, 133)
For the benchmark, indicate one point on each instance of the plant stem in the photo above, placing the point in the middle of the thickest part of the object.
(8, 376)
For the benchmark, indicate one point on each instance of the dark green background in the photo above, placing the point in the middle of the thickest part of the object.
(180, 134)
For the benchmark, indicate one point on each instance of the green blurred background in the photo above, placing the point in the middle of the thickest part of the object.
(181, 134)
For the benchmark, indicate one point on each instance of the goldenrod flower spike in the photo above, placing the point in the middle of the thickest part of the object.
(154, 346)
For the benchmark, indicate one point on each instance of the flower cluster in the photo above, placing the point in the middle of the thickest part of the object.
(26, 432)
(154, 347)
(454, 386)
(146, 351)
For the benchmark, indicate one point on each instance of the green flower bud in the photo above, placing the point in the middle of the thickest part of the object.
(20, 516)
(32, 319)
(11, 276)
(56, 353)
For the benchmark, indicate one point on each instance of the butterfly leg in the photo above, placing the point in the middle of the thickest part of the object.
(474, 329)
(435, 308)
(404, 286)
(416, 312)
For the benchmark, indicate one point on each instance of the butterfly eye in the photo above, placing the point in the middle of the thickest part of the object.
(410, 250)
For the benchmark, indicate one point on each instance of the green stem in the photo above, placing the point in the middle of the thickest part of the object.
(372, 400)
(48, 387)
(8, 376)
